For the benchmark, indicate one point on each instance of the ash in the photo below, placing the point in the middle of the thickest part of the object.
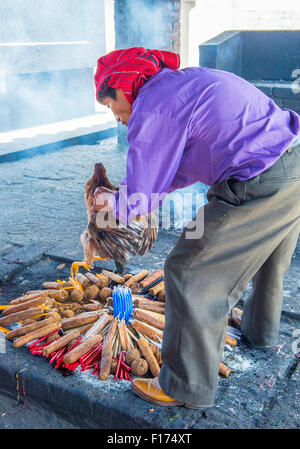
(110, 386)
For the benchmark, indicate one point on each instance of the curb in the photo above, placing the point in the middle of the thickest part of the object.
(86, 139)
(84, 404)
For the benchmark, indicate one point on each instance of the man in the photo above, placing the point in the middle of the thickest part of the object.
(212, 126)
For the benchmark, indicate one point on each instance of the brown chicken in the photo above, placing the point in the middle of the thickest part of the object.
(118, 241)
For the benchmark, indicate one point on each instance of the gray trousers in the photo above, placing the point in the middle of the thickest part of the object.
(251, 230)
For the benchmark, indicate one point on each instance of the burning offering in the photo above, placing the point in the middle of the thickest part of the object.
(95, 322)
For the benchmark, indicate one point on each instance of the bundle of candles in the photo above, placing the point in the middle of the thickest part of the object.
(118, 328)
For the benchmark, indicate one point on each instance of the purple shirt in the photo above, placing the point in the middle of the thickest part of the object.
(199, 124)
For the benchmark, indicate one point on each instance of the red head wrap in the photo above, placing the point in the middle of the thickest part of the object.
(129, 69)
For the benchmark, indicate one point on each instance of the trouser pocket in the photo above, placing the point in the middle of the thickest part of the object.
(286, 169)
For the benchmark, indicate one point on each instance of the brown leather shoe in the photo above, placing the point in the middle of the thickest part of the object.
(149, 390)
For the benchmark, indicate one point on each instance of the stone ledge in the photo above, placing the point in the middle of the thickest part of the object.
(17, 144)
(80, 398)
(282, 89)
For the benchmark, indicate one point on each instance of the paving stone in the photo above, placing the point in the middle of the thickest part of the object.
(14, 261)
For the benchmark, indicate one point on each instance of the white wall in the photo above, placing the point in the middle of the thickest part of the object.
(207, 19)
(210, 18)
(266, 14)
(109, 25)
(45, 35)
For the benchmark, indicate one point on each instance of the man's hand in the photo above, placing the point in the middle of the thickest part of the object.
(103, 200)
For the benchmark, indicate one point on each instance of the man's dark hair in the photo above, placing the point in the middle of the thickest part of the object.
(108, 92)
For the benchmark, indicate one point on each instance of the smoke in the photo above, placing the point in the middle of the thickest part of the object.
(48, 49)
(142, 23)
(33, 99)
(148, 24)
(2, 82)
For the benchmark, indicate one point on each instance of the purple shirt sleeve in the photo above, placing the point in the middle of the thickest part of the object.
(199, 125)
(157, 143)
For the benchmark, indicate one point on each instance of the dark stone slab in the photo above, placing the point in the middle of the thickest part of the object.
(289, 103)
(253, 396)
(223, 52)
(14, 415)
(267, 58)
(15, 261)
(254, 54)
(266, 88)
(286, 90)
(270, 54)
